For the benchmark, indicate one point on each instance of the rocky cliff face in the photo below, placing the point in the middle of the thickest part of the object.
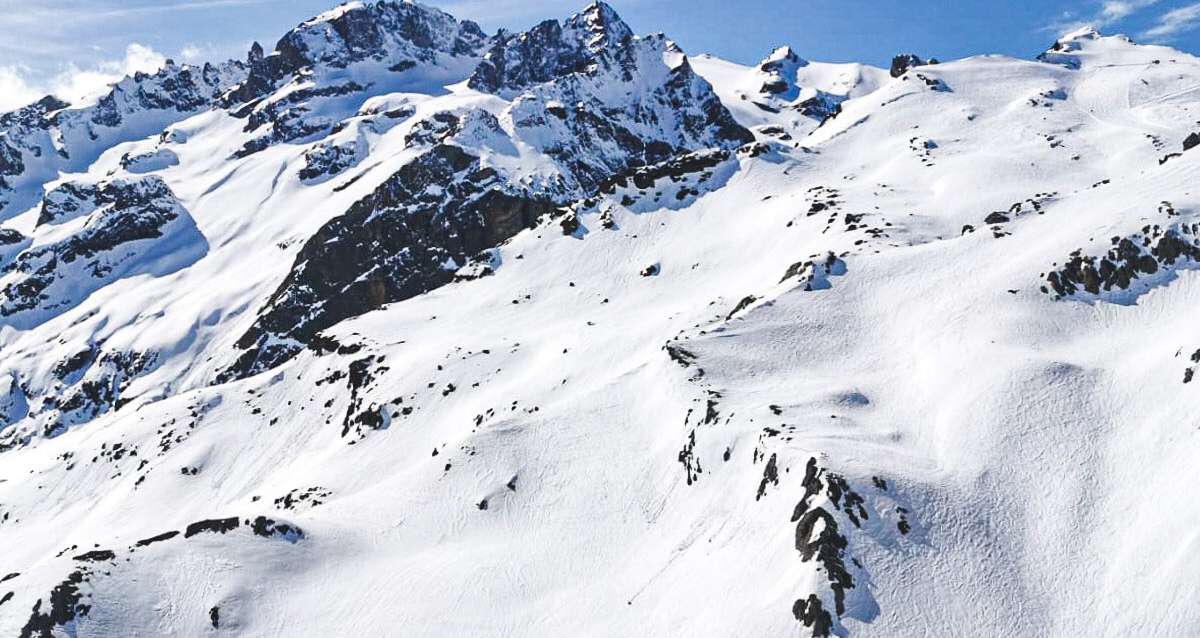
(50, 135)
(633, 102)
(321, 70)
(410, 236)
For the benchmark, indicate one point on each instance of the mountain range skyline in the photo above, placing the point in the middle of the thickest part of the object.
(80, 45)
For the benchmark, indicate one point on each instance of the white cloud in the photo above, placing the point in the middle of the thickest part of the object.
(1115, 10)
(17, 88)
(191, 53)
(1174, 22)
(1110, 12)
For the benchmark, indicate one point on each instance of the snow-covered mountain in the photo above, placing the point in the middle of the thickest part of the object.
(402, 328)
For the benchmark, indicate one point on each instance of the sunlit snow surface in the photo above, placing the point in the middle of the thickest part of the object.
(579, 444)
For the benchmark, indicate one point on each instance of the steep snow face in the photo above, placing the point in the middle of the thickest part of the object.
(928, 367)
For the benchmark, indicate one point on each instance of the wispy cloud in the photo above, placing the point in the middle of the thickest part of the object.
(15, 89)
(1116, 10)
(18, 85)
(1106, 14)
(1174, 23)
(167, 7)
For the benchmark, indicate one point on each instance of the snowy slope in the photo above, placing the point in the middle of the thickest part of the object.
(588, 344)
(786, 96)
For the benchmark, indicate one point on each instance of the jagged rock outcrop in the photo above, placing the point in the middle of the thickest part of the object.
(599, 100)
(666, 111)
(1128, 265)
(779, 70)
(131, 227)
(48, 136)
(1191, 141)
(342, 53)
(406, 238)
(823, 518)
(902, 63)
(552, 50)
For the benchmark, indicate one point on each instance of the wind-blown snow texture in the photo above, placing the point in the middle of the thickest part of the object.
(401, 328)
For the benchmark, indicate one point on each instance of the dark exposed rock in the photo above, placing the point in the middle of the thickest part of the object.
(779, 71)
(674, 169)
(814, 273)
(327, 160)
(95, 556)
(297, 498)
(819, 538)
(812, 614)
(934, 84)
(361, 374)
(1191, 141)
(1064, 49)
(403, 237)
(395, 33)
(269, 528)
(212, 526)
(551, 50)
(687, 458)
(131, 226)
(100, 388)
(165, 536)
(10, 236)
(400, 35)
(558, 71)
(67, 368)
(679, 355)
(288, 117)
(770, 477)
(64, 607)
(61, 137)
(1131, 258)
(741, 305)
(905, 61)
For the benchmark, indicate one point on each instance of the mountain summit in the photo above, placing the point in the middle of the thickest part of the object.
(401, 327)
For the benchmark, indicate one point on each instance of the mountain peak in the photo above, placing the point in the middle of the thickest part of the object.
(1087, 45)
(602, 24)
(398, 33)
(783, 54)
(551, 49)
(1085, 32)
(599, 15)
(780, 70)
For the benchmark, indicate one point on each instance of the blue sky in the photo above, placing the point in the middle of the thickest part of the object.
(73, 46)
